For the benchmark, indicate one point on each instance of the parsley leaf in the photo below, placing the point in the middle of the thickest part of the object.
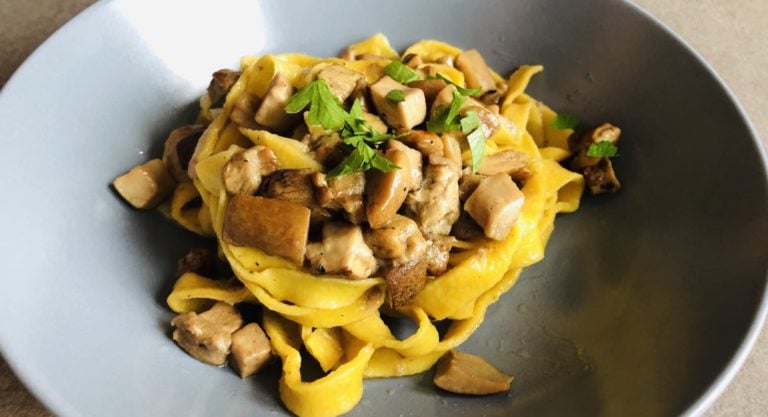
(443, 119)
(470, 124)
(324, 108)
(400, 72)
(602, 149)
(462, 90)
(565, 121)
(362, 137)
(396, 95)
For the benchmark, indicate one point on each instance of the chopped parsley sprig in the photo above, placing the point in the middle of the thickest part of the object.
(446, 119)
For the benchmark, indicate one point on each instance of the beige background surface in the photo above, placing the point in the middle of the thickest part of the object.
(731, 34)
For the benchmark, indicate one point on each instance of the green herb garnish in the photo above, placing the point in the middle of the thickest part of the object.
(362, 137)
(565, 121)
(324, 108)
(462, 90)
(444, 119)
(400, 72)
(470, 124)
(396, 95)
(602, 149)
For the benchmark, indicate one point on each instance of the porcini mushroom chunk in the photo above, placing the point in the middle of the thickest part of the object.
(342, 251)
(146, 185)
(495, 205)
(271, 113)
(409, 112)
(277, 227)
(464, 373)
(207, 336)
(251, 350)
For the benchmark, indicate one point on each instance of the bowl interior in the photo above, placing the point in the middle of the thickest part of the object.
(641, 302)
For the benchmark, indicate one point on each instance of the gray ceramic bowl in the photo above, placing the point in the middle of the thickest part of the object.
(647, 301)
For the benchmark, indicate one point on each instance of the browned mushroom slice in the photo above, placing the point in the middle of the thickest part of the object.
(271, 113)
(277, 227)
(427, 143)
(451, 147)
(342, 251)
(244, 110)
(438, 252)
(435, 206)
(404, 281)
(463, 373)
(197, 260)
(409, 112)
(387, 190)
(207, 336)
(179, 148)
(476, 72)
(221, 82)
(296, 185)
(398, 240)
(466, 229)
(341, 81)
(328, 149)
(489, 121)
(467, 185)
(146, 185)
(495, 205)
(243, 172)
(251, 350)
(431, 89)
(344, 192)
(601, 178)
(510, 162)
(598, 171)
(413, 61)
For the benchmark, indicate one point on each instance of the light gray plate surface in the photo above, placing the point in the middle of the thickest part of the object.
(646, 303)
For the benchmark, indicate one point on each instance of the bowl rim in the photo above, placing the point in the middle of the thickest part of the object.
(49, 396)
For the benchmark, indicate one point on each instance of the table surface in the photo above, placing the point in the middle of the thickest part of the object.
(730, 34)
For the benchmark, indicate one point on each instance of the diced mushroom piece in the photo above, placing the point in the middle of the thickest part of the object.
(179, 148)
(251, 350)
(476, 72)
(444, 98)
(244, 110)
(466, 229)
(495, 205)
(344, 192)
(375, 122)
(387, 190)
(277, 227)
(343, 251)
(197, 260)
(207, 336)
(601, 178)
(509, 162)
(271, 112)
(398, 240)
(341, 81)
(490, 122)
(404, 281)
(146, 185)
(407, 113)
(296, 185)
(431, 89)
(426, 142)
(467, 185)
(413, 61)
(451, 147)
(438, 252)
(464, 373)
(221, 82)
(435, 206)
(328, 149)
(243, 172)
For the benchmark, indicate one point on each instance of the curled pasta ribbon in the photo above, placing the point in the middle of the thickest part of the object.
(332, 395)
(193, 292)
(196, 219)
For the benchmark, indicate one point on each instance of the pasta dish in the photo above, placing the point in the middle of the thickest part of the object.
(343, 191)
